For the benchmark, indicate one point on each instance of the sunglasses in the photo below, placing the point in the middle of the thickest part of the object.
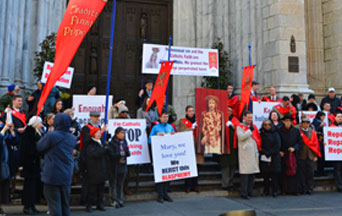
(267, 124)
(124, 112)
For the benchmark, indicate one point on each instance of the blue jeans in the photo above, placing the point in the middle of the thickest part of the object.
(118, 181)
(57, 198)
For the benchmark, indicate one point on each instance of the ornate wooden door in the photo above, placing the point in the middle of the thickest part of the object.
(137, 21)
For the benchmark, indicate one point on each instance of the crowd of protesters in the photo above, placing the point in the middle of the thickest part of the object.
(52, 148)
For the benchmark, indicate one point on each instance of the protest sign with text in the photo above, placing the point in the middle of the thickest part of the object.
(136, 137)
(174, 157)
(187, 61)
(261, 111)
(333, 143)
(84, 104)
(64, 81)
(309, 114)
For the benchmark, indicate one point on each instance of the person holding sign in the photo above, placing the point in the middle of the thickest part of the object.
(249, 144)
(189, 124)
(338, 164)
(307, 156)
(160, 130)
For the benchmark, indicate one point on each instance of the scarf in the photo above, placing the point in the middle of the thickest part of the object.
(192, 120)
(98, 141)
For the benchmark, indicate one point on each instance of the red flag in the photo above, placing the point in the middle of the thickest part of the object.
(78, 18)
(158, 94)
(246, 85)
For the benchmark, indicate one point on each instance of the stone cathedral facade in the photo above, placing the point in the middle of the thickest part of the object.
(296, 44)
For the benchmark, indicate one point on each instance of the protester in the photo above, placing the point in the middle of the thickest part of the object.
(189, 124)
(160, 130)
(58, 106)
(146, 92)
(48, 123)
(326, 109)
(75, 128)
(229, 160)
(254, 93)
(33, 99)
(118, 166)
(291, 142)
(275, 119)
(270, 162)
(307, 156)
(332, 99)
(312, 103)
(57, 147)
(96, 169)
(123, 112)
(284, 108)
(92, 90)
(233, 100)
(172, 115)
(51, 99)
(319, 124)
(248, 143)
(5, 171)
(302, 102)
(272, 97)
(6, 99)
(338, 164)
(150, 115)
(31, 165)
(113, 111)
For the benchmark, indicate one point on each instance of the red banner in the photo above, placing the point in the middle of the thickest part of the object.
(78, 18)
(246, 85)
(158, 94)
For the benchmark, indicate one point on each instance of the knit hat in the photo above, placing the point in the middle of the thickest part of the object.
(287, 116)
(93, 131)
(122, 108)
(11, 87)
(34, 121)
(118, 130)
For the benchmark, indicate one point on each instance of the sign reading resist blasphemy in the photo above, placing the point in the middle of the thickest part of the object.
(136, 137)
(187, 61)
(65, 80)
(84, 104)
(174, 156)
(261, 111)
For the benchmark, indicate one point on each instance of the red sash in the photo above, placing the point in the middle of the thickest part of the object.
(257, 98)
(19, 115)
(312, 143)
(331, 118)
(287, 110)
(255, 134)
(267, 99)
(234, 102)
(81, 137)
(187, 123)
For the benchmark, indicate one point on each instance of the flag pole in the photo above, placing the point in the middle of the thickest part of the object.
(168, 59)
(109, 66)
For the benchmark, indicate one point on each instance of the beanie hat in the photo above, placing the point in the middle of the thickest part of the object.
(93, 131)
(122, 108)
(118, 130)
(34, 121)
(11, 87)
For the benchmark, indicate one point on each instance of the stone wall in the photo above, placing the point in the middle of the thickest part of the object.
(23, 25)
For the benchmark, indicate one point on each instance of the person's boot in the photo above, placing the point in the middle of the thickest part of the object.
(28, 211)
(89, 209)
(35, 210)
(168, 198)
(160, 199)
(100, 207)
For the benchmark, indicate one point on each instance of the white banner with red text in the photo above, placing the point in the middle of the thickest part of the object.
(84, 104)
(136, 137)
(65, 80)
(174, 156)
(187, 61)
(333, 143)
(261, 112)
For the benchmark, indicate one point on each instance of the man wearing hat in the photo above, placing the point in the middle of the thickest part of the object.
(307, 156)
(332, 100)
(6, 99)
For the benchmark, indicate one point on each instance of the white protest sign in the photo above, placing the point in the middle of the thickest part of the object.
(309, 114)
(65, 80)
(84, 104)
(187, 61)
(136, 138)
(174, 156)
(326, 119)
(261, 111)
(333, 143)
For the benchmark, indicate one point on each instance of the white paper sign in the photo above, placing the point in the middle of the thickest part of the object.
(333, 143)
(65, 80)
(136, 138)
(261, 111)
(309, 114)
(83, 104)
(174, 157)
(187, 61)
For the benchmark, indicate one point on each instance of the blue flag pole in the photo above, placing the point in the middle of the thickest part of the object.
(169, 59)
(249, 55)
(109, 65)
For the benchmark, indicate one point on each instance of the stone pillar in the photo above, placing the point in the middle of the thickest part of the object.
(332, 33)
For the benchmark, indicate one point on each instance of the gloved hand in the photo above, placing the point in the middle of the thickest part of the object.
(194, 125)
(229, 123)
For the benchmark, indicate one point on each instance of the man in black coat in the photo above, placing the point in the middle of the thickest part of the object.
(33, 99)
(145, 92)
(332, 100)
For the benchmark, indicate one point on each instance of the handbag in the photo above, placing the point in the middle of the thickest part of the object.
(291, 164)
(4, 170)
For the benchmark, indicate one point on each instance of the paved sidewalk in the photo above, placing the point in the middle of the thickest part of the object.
(322, 204)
